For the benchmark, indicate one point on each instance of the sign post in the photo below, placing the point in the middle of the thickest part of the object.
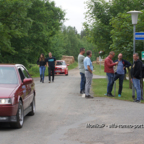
(142, 55)
(139, 36)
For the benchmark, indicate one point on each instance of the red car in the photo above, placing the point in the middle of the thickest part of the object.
(61, 67)
(17, 94)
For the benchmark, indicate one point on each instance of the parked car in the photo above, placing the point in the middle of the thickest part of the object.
(17, 94)
(61, 67)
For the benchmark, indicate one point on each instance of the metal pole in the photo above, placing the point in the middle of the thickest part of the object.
(134, 30)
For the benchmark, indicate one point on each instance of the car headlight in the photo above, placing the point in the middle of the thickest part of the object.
(5, 101)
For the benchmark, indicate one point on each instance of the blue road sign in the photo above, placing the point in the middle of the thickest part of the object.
(139, 36)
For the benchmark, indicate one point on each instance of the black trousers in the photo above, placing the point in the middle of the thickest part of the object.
(51, 71)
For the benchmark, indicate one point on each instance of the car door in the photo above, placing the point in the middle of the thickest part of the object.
(24, 89)
(29, 86)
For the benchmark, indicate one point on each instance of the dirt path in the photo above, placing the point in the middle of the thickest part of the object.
(62, 117)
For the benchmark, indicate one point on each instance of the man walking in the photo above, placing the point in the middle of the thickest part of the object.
(120, 72)
(88, 73)
(136, 73)
(51, 63)
(82, 70)
(110, 72)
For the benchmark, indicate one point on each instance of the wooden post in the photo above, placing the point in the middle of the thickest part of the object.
(129, 74)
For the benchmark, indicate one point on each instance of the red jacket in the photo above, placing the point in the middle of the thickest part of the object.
(109, 65)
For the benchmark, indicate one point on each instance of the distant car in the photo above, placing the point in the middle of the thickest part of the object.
(61, 67)
(17, 94)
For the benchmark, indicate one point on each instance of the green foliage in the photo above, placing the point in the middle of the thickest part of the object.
(14, 23)
(109, 27)
(122, 35)
(27, 28)
(31, 27)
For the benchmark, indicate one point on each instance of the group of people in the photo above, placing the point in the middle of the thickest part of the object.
(120, 64)
(114, 70)
(50, 62)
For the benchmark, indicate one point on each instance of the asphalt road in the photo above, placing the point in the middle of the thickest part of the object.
(62, 116)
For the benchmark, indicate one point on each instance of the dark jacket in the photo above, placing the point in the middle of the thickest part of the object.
(136, 70)
(125, 64)
(41, 63)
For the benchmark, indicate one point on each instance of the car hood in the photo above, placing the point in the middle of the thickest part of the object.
(62, 66)
(7, 90)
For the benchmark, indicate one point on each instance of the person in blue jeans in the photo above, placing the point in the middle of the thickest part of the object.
(120, 72)
(136, 73)
(42, 66)
(108, 69)
(82, 70)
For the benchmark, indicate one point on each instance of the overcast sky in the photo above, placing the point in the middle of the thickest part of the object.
(75, 10)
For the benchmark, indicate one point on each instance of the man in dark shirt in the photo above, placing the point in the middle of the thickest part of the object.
(136, 73)
(51, 63)
(120, 72)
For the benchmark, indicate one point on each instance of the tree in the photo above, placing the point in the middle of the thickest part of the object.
(99, 16)
(122, 35)
(14, 23)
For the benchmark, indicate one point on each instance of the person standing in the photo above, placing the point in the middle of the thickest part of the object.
(88, 73)
(82, 70)
(136, 73)
(42, 66)
(109, 64)
(120, 72)
(51, 63)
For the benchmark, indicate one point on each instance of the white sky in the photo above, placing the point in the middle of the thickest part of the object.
(75, 10)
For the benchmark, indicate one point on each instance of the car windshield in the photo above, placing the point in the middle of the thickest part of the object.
(61, 63)
(8, 75)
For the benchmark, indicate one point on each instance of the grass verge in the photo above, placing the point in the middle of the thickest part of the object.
(34, 70)
(73, 66)
(99, 70)
(99, 87)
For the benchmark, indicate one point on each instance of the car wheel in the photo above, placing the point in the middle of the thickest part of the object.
(20, 117)
(66, 74)
(33, 106)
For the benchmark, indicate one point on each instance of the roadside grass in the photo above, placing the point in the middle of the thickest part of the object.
(99, 70)
(73, 66)
(34, 69)
(99, 88)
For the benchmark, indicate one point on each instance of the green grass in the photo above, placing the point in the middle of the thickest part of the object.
(34, 70)
(98, 70)
(99, 87)
(73, 66)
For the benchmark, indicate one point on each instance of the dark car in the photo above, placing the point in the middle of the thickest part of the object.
(17, 94)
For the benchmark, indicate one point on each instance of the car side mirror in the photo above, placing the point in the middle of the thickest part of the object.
(27, 81)
(67, 64)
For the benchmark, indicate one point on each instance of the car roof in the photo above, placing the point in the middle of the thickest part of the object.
(11, 65)
(61, 60)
